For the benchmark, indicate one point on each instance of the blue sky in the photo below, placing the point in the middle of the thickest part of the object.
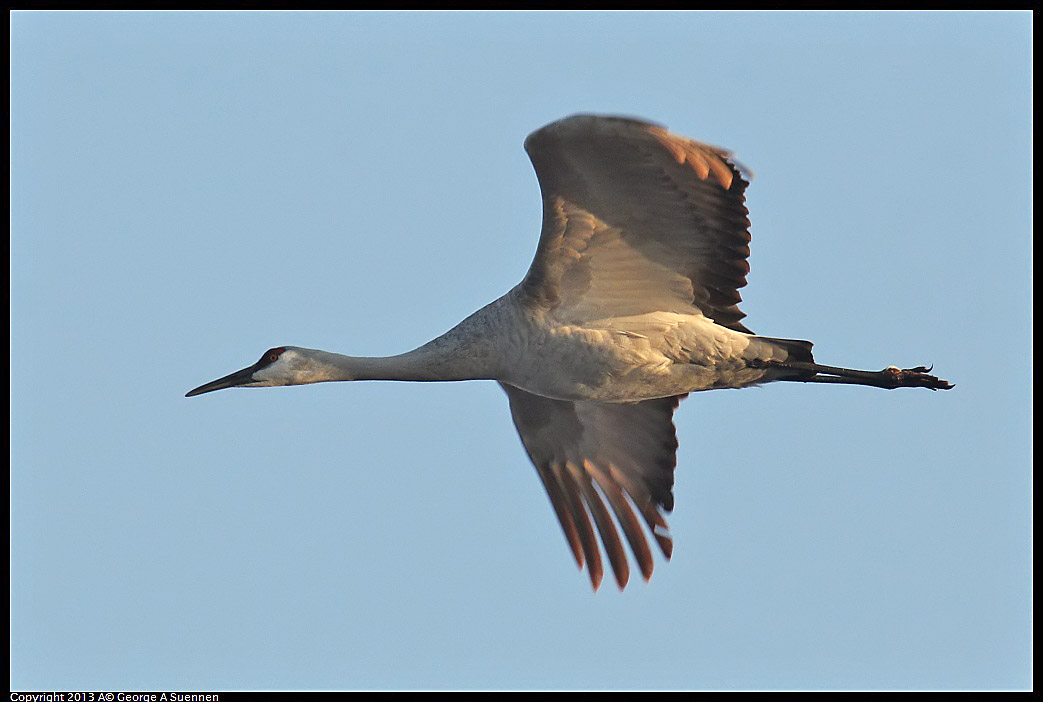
(189, 189)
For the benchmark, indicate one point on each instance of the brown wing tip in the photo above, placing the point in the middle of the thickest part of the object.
(597, 573)
(704, 159)
(666, 543)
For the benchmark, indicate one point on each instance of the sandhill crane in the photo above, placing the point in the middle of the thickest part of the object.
(630, 304)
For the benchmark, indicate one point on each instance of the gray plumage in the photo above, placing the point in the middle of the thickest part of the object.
(630, 304)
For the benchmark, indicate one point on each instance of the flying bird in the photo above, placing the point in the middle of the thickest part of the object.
(630, 304)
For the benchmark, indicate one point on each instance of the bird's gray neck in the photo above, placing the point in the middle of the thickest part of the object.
(472, 350)
(420, 365)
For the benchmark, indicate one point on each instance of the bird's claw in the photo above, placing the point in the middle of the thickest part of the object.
(918, 377)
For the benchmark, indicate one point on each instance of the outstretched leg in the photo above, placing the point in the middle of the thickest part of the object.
(889, 378)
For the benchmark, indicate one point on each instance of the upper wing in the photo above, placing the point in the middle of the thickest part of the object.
(587, 453)
(636, 220)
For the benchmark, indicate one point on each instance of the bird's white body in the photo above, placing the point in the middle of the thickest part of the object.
(658, 354)
(630, 303)
(606, 361)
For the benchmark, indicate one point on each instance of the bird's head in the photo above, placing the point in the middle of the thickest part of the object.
(282, 365)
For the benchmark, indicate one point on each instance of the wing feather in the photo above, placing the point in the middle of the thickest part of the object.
(581, 518)
(588, 453)
(625, 517)
(563, 509)
(636, 220)
(609, 537)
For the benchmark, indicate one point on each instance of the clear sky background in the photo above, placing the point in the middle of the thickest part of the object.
(189, 189)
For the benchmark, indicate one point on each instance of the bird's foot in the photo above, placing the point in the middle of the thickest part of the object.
(918, 377)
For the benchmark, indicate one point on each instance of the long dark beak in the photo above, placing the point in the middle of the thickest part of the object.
(240, 377)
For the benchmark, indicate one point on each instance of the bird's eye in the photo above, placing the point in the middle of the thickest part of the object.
(272, 355)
